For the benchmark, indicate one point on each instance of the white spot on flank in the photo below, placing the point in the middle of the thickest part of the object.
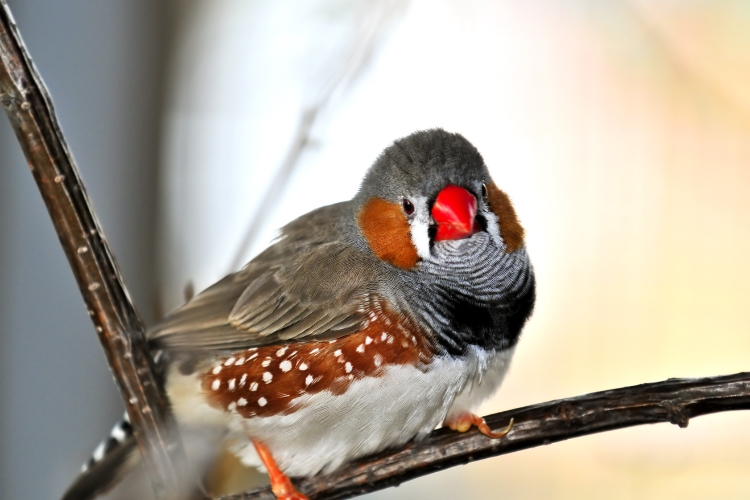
(229, 361)
(348, 367)
(231, 384)
(378, 359)
(281, 352)
(242, 380)
(232, 406)
(368, 340)
(314, 351)
(241, 402)
(351, 377)
(303, 367)
(384, 336)
(254, 386)
(414, 339)
(216, 384)
(337, 353)
(361, 348)
(253, 356)
(239, 362)
(265, 362)
(390, 339)
(285, 365)
(262, 402)
(267, 377)
(216, 370)
(308, 380)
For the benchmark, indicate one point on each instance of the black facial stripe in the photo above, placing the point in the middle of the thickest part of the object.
(482, 221)
(431, 232)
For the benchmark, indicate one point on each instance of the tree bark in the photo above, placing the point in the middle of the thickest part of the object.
(118, 325)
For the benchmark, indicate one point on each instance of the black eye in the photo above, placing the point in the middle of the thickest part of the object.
(484, 190)
(408, 207)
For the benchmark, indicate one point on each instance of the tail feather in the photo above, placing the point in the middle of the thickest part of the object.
(113, 458)
(109, 463)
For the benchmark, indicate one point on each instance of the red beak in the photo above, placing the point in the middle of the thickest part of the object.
(455, 211)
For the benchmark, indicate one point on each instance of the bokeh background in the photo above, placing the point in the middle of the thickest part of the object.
(620, 129)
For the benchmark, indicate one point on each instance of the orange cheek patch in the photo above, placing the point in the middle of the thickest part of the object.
(386, 230)
(510, 229)
(265, 381)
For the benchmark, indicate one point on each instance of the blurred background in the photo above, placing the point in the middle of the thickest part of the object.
(620, 129)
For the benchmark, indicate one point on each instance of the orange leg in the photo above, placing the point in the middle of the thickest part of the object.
(463, 423)
(280, 484)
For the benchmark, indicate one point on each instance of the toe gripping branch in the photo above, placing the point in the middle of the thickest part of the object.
(281, 485)
(463, 423)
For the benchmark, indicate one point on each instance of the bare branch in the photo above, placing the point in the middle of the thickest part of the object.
(674, 400)
(120, 329)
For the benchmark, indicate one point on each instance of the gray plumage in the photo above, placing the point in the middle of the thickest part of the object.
(309, 284)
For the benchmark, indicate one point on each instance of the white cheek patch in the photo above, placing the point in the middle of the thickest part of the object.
(420, 225)
(421, 238)
(493, 225)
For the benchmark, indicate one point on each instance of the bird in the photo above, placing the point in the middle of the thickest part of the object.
(365, 325)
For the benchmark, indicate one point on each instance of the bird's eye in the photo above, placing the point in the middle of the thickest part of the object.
(484, 190)
(408, 207)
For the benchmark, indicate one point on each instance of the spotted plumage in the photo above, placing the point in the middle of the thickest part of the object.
(367, 324)
(273, 380)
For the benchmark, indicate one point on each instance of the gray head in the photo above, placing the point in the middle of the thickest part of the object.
(430, 188)
(422, 164)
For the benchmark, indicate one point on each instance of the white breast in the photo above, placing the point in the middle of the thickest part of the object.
(373, 414)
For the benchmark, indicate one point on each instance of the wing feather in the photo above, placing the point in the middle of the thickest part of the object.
(309, 285)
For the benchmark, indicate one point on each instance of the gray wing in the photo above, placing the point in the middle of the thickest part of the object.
(307, 286)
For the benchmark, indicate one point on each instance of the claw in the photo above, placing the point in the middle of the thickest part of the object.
(280, 484)
(464, 422)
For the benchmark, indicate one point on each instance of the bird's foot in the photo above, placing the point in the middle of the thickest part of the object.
(463, 423)
(281, 485)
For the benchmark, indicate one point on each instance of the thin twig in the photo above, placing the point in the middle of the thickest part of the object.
(120, 329)
(674, 400)
(376, 18)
